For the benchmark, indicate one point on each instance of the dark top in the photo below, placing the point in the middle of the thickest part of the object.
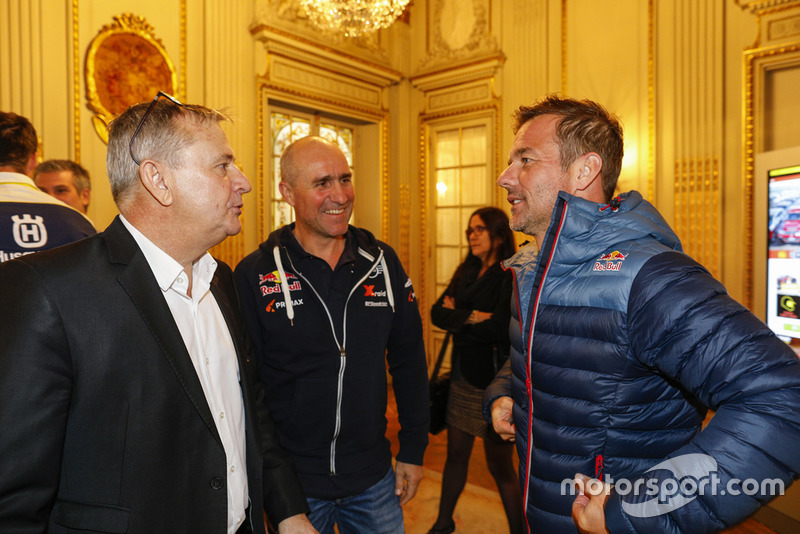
(474, 344)
(325, 366)
(104, 426)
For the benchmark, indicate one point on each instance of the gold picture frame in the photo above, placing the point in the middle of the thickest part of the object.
(125, 64)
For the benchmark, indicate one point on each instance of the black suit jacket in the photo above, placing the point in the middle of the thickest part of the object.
(104, 426)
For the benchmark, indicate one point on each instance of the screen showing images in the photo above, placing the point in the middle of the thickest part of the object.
(783, 262)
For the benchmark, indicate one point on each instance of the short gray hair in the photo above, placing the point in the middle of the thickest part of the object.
(162, 137)
(80, 176)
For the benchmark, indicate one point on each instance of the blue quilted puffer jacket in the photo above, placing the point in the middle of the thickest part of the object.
(620, 345)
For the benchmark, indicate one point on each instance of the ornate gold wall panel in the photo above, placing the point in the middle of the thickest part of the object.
(697, 127)
(457, 80)
(458, 31)
(697, 209)
(758, 63)
(76, 78)
(125, 64)
(227, 59)
(22, 66)
(777, 46)
(404, 202)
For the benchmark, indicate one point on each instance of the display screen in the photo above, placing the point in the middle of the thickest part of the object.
(783, 263)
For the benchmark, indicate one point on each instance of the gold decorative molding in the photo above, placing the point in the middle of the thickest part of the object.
(313, 98)
(477, 69)
(385, 162)
(784, 28)
(757, 61)
(368, 57)
(261, 109)
(651, 101)
(457, 31)
(697, 203)
(184, 52)
(768, 23)
(313, 81)
(761, 7)
(125, 64)
(76, 79)
(404, 250)
(424, 195)
(564, 47)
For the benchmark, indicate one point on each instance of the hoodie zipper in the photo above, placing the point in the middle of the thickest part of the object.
(341, 347)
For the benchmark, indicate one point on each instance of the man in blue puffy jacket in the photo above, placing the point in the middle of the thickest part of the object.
(620, 345)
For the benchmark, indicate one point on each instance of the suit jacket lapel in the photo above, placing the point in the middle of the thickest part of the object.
(222, 294)
(139, 283)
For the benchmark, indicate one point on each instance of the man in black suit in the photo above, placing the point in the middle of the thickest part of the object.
(129, 398)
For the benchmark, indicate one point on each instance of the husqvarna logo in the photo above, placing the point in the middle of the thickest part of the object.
(29, 231)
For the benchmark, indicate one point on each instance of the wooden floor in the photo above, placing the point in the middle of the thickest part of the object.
(436, 454)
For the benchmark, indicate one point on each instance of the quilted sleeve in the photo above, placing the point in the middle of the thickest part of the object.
(684, 326)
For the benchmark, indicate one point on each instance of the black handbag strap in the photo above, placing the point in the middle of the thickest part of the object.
(498, 357)
(440, 359)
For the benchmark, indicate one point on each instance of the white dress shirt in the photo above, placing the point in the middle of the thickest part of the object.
(210, 346)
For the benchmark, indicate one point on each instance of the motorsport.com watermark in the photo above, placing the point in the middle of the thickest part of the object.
(692, 475)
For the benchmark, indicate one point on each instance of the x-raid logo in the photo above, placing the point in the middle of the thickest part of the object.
(275, 278)
(29, 231)
(369, 291)
(609, 262)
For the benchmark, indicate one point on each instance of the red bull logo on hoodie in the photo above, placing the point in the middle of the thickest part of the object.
(275, 278)
(609, 262)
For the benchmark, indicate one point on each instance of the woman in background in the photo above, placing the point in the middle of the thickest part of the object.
(475, 309)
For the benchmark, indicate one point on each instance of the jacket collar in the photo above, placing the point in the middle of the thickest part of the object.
(139, 283)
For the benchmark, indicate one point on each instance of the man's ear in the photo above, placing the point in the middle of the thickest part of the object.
(152, 176)
(287, 192)
(30, 166)
(587, 181)
(86, 197)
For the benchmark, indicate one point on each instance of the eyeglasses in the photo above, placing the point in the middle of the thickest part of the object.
(146, 113)
(478, 230)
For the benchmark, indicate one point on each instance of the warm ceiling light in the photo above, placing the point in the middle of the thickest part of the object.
(353, 17)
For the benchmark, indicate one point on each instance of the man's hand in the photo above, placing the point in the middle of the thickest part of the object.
(588, 509)
(296, 524)
(406, 481)
(449, 302)
(503, 418)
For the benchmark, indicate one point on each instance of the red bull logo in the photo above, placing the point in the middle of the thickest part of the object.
(274, 277)
(611, 256)
(609, 262)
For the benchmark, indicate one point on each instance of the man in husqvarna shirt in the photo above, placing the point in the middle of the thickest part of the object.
(620, 346)
(327, 305)
(30, 220)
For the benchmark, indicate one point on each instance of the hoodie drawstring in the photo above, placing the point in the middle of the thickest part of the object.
(287, 297)
(614, 204)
